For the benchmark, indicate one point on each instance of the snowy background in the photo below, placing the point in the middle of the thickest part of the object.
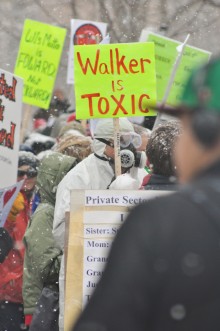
(125, 19)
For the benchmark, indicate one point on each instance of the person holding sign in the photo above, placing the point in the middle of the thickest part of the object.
(163, 270)
(11, 270)
(97, 170)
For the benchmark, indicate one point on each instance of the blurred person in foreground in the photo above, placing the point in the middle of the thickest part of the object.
(163, 270)
(160, 150)
(11, 269)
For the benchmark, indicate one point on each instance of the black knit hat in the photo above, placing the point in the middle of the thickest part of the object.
(27, 158)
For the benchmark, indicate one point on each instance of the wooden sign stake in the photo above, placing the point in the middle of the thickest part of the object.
(25, 122)
(117, 147)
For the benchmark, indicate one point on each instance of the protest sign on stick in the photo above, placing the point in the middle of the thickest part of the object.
(180, 50)
(165, 58)
(120, 80)
(117, 147)
(7, 197)
(95, 218)
(10, 121)
(38, 61)
(83, 33)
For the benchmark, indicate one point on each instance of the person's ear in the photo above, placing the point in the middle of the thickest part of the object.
(205, 126)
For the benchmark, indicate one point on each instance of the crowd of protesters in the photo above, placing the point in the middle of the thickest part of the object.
(166, 276)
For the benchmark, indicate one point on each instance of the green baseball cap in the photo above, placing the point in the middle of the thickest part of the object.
(202, 91)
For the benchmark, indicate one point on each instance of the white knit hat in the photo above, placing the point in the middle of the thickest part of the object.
(105, 128)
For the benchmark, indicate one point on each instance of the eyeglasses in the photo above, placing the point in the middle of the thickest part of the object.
(125, 140)
(130, 138)
(30, 173)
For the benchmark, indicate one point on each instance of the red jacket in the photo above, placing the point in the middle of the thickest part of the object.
(11, 270)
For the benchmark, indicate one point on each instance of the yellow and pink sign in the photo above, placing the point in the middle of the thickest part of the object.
(114, 80)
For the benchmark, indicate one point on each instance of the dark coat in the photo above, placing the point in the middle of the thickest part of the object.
(159, 182)
(11, 270)
(6, 244)
(163, 272)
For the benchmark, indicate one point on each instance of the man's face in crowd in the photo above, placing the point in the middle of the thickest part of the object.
(109, 151)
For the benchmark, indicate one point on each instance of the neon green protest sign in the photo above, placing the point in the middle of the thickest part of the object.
(38, 61)
(165, 55)
(114, 80)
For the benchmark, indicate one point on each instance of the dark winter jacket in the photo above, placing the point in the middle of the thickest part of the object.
(42, 257)
(159, 182)
(164, 267)
(6, 244)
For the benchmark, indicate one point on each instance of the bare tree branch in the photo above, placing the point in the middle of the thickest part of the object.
(182, 9)
(164, 9)
(213, 3)
(9, 32)
(48, 14)
(208, 25)
(188, 22)
(105, 13)
(74, 8)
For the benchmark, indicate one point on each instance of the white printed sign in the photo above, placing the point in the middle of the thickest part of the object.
(120, 198)
(11, 88)
(7, 197)
(95, 257)
(95, 218)
(83, 33)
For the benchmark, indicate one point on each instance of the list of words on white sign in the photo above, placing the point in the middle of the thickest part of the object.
(95, 219)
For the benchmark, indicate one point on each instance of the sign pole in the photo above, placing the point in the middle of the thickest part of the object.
(117, 147)
(25, 122)
(84, 124)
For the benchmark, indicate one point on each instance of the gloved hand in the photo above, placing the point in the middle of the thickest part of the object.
(125, 182)
(6, 244)
(17, 206)
(138, 174)
(28, 320)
